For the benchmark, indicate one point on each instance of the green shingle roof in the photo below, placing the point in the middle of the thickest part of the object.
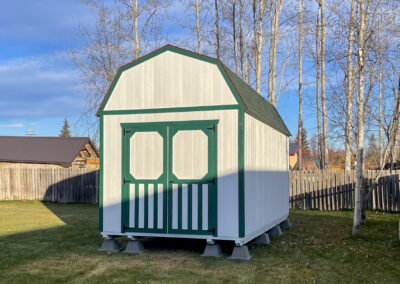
(255, 105)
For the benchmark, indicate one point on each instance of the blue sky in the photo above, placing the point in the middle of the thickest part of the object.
(39, 85)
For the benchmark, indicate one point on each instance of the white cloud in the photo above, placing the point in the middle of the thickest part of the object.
(12, 125)
(40, 86)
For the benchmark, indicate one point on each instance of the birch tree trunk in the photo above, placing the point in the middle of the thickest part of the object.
(323, 96)
(135, 20)
(360, 124)
(217, 37)
(198, 26)
(318, 71)
(349, 94)
(300, 123)
(258, 40)
(380, 96)
(273, 48)
(241, 43)
(234, 36)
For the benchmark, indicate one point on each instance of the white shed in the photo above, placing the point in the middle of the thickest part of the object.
(189, 150)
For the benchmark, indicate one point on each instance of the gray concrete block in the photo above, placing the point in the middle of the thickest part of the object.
(240, 253)
(285, 224)
(134, 246)
(213, 250)
(262, 239)
(110, 245)
(275, 231)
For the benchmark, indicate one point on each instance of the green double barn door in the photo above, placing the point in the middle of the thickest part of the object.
(169, 177)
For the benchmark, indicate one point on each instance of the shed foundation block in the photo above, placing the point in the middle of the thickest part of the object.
(240, 253)
(275, 231)
(262, 239)
(213, 250)
(285, 224)
(110, 245)
(134, 247)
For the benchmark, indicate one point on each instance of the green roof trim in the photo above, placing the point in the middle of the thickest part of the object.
(251, 101)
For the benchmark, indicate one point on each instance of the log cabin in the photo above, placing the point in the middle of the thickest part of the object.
(48, 152)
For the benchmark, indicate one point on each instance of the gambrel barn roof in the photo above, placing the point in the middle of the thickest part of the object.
(251, 101)
(42, 150)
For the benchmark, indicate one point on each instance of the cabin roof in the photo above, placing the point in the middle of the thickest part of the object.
(42, 150)
(253, 103)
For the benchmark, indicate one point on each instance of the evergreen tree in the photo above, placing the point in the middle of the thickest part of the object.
(305, 144)
(65, 131)
(372, 153)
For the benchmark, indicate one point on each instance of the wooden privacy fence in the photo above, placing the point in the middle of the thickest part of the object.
(327, 190)
(55, 185)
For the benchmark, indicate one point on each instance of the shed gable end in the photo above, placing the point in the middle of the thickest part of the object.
(168, 80)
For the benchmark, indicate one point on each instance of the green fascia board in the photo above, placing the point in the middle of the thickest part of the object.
(247, 98)
(171, 109)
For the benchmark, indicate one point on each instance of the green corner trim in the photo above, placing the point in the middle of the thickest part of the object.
(241, 197)
(101, 177)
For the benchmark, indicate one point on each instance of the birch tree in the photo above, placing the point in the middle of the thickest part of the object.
(317, 86)
(275, 10)
(360, 121)
(198, 26)
(349, 93)
(235, 51)
(300, 66)
(258, 39)
(323, 89)
(217, 31)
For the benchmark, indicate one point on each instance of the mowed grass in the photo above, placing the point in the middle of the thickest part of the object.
(47, 243)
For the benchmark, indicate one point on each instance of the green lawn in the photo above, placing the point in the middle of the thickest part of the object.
(42, 242)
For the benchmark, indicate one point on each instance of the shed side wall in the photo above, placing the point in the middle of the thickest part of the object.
(170, 80)
(266, 175)
(227, 165)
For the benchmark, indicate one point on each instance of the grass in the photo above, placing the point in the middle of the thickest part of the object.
(46, 243)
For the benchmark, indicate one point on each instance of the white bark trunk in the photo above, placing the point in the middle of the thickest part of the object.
(198, 26)
(349, 95)
(217, 37)
(324, 118)
(300, 122)
(360, 124)
(318, 71)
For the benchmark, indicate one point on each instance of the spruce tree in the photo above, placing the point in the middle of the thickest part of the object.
(65, 130)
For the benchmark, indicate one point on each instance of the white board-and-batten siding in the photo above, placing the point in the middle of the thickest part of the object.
(266, 175)
(170, 80)
(227, 162)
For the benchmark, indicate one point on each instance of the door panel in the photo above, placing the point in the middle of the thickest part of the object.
(144, 180)
(169, 177)
(192, 178)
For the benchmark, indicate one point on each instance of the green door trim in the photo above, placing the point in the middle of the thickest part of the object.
(127, 131)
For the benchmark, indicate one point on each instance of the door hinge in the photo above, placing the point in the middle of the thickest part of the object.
(212, 128)
(126, 181)
(126, 131)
